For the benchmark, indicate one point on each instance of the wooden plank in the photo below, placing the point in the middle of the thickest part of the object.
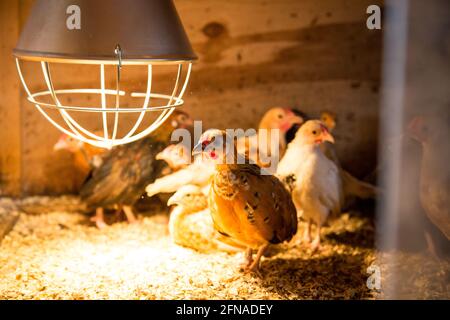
(10, 115)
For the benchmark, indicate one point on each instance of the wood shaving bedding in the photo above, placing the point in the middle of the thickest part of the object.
(61, 255)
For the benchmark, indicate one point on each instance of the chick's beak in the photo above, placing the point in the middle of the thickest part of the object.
(415, 128)
(295, 119)
(291, 120)
(173, 200)
(60, 145)
(160, 156)
(189, 123)
(198, 149)
(326, 136)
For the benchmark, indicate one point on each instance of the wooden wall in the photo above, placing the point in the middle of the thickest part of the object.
(10, 113)
(253, 54)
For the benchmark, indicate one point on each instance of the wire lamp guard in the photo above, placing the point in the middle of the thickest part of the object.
(147, 35)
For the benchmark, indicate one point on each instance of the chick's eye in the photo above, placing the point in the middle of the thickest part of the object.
(280, 116)
(314, 132)
(205, 144)
(188, 195)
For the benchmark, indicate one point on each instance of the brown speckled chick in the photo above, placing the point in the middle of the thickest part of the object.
(253, 209)
(126, 169)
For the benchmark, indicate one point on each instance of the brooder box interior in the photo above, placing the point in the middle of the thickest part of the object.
(253, 55)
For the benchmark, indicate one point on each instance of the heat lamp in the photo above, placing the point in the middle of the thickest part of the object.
(104, 33)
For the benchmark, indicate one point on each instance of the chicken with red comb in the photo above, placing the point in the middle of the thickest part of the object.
(252, 209)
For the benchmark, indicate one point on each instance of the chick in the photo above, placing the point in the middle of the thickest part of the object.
(432, 132)
(276, 118)
(86, 156)
(254, 210)
(198, 173)
(315, 180)
(352, 186)
(126, 169)
(190, 223)
(290, 134)
(177, 156)
(328, 118)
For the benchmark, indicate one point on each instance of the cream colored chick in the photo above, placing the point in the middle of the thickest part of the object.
(177, 156)
(315, 181)
(190, 223)
(197, 173)
(265, 143)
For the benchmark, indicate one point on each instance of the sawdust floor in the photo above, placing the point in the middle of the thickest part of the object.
(60, 255)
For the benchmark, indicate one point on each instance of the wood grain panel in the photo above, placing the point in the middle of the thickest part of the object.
(10, 114)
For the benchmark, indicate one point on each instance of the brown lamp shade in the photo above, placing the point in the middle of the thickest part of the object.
(144, 29)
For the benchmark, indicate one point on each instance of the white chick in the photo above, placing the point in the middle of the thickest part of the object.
(177, 156)
(197, 173)
(314, 179)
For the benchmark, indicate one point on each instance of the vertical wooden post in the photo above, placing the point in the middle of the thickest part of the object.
(10, 112)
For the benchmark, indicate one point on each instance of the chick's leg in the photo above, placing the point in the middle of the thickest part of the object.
(248, 258)
(129, 214)
(431, 246)
(255, 265)
(307, 233)
(316, 242)
(99, 218)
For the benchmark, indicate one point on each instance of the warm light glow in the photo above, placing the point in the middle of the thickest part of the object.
(76, 131)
